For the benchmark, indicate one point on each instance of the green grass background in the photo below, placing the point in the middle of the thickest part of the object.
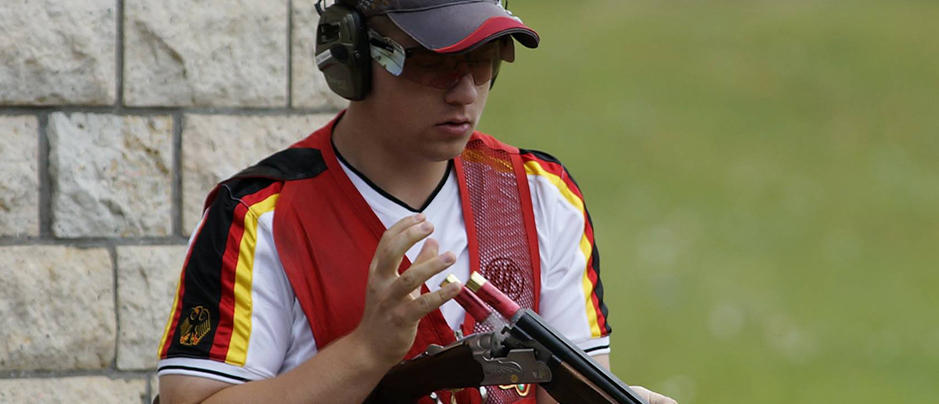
(764, 181)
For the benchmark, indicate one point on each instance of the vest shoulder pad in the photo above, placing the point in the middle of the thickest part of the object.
(539, 155)
(287, 165)
(493, 143)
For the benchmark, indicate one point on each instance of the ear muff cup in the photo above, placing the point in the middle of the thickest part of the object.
(342, 52)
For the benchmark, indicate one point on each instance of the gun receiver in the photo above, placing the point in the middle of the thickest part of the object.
(527, 351)
(468, 362)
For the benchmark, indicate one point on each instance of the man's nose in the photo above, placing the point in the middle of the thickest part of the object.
(464, 91)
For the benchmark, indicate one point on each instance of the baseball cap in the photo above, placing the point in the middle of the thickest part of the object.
(449, 26)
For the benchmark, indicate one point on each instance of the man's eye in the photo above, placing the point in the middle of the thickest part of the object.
(482, 60)
(429, 63)
(479, 63)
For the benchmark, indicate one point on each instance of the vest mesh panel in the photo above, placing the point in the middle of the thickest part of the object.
(504, 257)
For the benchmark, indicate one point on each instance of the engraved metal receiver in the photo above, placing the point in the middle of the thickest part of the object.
(511, 366)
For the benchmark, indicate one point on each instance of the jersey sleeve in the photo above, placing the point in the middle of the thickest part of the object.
(233, 312)
(571, 290)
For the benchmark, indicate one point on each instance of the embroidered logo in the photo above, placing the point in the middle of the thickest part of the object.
(505, 274)
(195, 327)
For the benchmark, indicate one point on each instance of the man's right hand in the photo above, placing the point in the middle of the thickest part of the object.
(392, 311)
(349, 368)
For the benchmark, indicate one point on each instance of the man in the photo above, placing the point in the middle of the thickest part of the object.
(348, 289)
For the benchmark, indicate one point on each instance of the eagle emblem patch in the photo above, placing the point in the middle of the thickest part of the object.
(195, 327)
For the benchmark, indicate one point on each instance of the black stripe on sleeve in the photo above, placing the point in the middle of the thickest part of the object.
(212, 372)
(598, 288)
(596, 348)
(541, 155)
(202, 289)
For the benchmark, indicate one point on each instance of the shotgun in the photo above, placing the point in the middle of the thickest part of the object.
(526, 350)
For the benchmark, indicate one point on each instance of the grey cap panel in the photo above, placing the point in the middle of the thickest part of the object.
(375, 7)
(442, 27)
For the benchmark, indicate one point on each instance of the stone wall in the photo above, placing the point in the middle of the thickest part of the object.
(116, 119)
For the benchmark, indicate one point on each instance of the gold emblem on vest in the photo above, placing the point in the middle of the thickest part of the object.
(195, 327)
(521, 389)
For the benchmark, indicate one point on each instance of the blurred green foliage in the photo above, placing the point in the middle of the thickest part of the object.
(764, 180)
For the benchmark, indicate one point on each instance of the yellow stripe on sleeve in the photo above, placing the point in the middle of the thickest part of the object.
(169, 322)
(534, 168)
(241, 323)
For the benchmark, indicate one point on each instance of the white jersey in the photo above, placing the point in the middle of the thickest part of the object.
(279, 337)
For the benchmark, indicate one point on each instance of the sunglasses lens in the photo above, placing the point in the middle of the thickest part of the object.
(444, 71)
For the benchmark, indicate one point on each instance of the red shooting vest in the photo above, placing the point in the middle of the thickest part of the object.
(326, 235)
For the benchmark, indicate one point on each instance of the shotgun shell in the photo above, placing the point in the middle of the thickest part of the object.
(470, 302)
(492, 295)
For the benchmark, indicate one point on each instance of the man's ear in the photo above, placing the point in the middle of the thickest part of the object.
(507, 49)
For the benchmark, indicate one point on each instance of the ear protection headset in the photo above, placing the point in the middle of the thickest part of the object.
(342, 51)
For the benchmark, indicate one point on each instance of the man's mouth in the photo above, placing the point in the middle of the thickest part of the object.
(457, 126)
(455, 121)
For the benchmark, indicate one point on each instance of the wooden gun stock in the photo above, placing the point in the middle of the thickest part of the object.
(570, 387)
(407, 382)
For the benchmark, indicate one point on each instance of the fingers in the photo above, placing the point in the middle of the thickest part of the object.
(397, 240)
(660, 399)
(429, 302)
(642, 392)
(428, 251)
(651, 396)
(402, 224)
(416, 275)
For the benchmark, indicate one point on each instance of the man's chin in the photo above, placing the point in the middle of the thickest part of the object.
(448, 151)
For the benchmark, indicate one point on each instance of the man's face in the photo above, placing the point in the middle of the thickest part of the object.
(423, 122)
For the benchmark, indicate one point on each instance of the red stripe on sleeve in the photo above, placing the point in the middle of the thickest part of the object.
(226, 306)
(591, 271)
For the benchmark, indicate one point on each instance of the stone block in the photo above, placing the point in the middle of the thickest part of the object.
(154, 387)
(58, 308)
(216, 147)
(99, 390)
(111, 175)
(309, 88)
(19, 176)
(58, 52)
(146, 283)
(205, 53)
